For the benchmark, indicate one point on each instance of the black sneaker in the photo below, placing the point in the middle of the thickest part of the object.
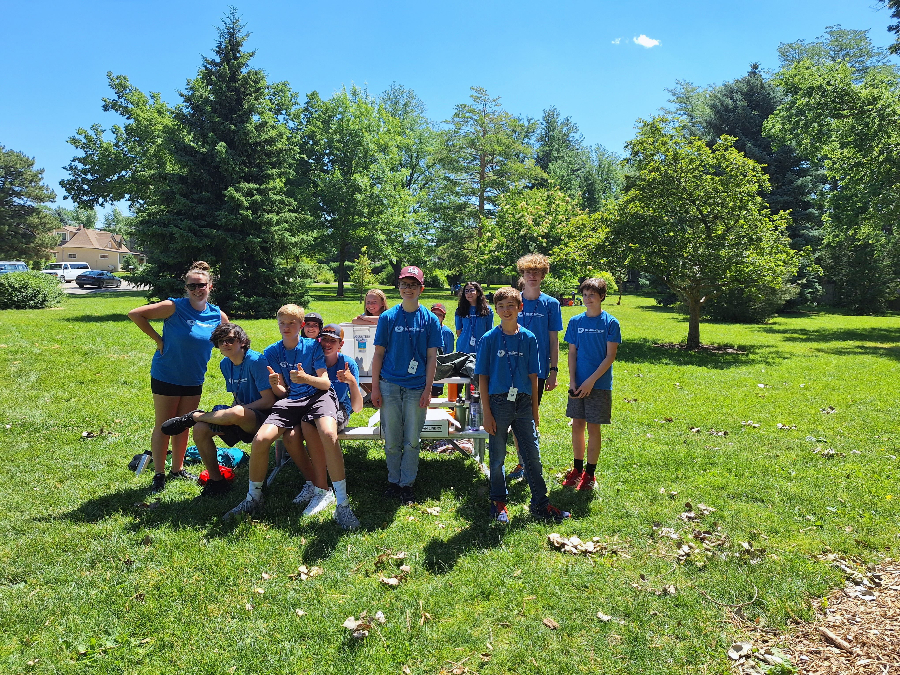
(551, 514)
(392, 491)
(176, 425)
(216, 488)
(183, 475)
(407, 496)
(159, 482)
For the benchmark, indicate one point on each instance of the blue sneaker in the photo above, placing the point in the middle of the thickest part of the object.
(516, 474)
(499, 513)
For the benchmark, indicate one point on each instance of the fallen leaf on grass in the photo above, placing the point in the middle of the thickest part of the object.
(694, 430)
(433, 510)
(406, 670)
(261, 591)
(389, 581)
(713, 432)
(739, 650)
(304, 573)
(299, 612)
(604, 617)
(266, 577)
(93, 434)
(380, 617)
(630, 400)
(550, 623)
(786, 427)
(406, 569)
(829, 410)
(147, 540)
(249, 607)
(750, 423)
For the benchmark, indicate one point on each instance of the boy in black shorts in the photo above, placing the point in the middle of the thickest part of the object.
(247, 377)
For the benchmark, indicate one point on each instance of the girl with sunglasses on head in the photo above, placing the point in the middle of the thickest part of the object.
(474, 317)
(179, 363)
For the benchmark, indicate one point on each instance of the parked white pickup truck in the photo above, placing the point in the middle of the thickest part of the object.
(66, 271)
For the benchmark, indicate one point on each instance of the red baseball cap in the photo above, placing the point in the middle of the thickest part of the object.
(439, 307)
(413, 272)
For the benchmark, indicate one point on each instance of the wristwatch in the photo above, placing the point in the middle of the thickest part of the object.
(554, 369)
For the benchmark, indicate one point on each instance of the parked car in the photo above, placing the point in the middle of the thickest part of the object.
(7, 266)
(66, 271)
(98, 278)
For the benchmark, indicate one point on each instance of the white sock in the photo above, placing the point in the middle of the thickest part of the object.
(340, 491)
(255, 489)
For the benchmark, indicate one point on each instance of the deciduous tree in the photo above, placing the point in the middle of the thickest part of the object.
(693, 216)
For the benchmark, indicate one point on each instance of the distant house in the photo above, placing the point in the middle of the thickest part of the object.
(100, 249)
(64, 233)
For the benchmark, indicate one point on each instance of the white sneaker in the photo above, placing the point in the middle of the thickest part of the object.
(307, 493)
(248, 506)
(344, 516)
(320, 501)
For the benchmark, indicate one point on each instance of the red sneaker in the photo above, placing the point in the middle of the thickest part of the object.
(587, 482)
(572, 477)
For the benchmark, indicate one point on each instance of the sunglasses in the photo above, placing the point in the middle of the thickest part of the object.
(471, 290)
(194, 287)
(227, 341)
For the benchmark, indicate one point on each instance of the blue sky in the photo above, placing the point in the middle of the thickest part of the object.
(582, 57)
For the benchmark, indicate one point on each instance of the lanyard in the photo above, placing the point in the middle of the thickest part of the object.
(412, 343)
(525, 313)
(512, 371)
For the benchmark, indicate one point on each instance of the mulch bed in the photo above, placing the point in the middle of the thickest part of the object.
(857, 632)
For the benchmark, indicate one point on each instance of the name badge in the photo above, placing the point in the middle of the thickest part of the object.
(472, 341)
(513, 393)
(413, 366)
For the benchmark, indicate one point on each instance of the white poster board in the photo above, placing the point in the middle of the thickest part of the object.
(359, 344)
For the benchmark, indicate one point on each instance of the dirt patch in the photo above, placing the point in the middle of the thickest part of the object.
(706, 349)
(856, 630)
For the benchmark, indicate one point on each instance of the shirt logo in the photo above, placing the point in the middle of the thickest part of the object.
(192, 322)
(500, 352)
(398, 329)
(590, 330)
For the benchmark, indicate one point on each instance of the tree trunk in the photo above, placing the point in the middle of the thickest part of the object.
(342, 257)
(397, 266)
(693, 337)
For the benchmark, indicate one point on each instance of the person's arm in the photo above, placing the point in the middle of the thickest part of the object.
(265, 401)
(487, 417)
(346, 376)
(365, 320)
(278, 386)
(319, 380)
(223, 316)
(141, 316)
(550, 385)
(534, 398)
(573, 360)
(430, 367)
(377, 360)
(588, 384)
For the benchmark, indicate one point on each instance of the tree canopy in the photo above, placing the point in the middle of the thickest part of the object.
(26, 226)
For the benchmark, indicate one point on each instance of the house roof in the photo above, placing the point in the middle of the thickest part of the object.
(98, 239)
(67, 228)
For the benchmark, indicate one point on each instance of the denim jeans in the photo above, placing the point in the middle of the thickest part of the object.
(402, 420)
(518, 415)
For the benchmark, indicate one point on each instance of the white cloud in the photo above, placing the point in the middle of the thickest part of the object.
(644, 41)
(617, 41)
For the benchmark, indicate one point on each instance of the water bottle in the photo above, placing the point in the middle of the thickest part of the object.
(142, 464)
(461, 412)
(475, 412)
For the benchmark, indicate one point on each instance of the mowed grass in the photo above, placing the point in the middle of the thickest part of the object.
(91, 581)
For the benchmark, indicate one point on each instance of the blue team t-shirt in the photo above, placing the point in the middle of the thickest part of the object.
(406, 336)
(542, 316)
(590, 334)
(473, 327)
(507, 360)
(447, 339)
(247, 380)
(308, 353)
(186, 345)
(341, 389)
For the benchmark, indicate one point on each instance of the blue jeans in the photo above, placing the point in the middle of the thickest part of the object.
(518, 415)
(402, 420)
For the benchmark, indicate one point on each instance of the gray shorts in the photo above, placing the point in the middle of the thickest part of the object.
(288, 413)
(595, 408)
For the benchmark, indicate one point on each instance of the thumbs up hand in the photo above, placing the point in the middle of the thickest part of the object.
(345, 375)
(275, 378)
(298, 376)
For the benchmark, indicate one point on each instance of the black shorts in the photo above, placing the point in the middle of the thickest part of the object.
(168, 389)
(288, 413)
(540, 391)
(232, 434)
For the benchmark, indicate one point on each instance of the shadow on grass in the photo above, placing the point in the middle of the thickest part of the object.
(99, 318)
(643, 350)
(879, 342)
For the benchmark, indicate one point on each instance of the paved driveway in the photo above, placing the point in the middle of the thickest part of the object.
(71, 288)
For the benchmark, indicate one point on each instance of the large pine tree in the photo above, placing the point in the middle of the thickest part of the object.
(225, 201)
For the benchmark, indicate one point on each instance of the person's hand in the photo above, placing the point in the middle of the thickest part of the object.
(425, 398)
(275, 378)
(159, 344)
(584, 389)
(550, 384)
(297, 376)
(375, 397)
(490, 424)
(345, 375)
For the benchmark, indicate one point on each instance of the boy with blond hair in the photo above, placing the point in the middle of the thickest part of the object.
(540, 314)
(507, 368)
(594, 337)
(297, 372)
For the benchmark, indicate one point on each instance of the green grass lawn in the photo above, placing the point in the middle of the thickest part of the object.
(94, 581)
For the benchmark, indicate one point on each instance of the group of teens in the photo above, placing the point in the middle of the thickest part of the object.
(303, 390)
